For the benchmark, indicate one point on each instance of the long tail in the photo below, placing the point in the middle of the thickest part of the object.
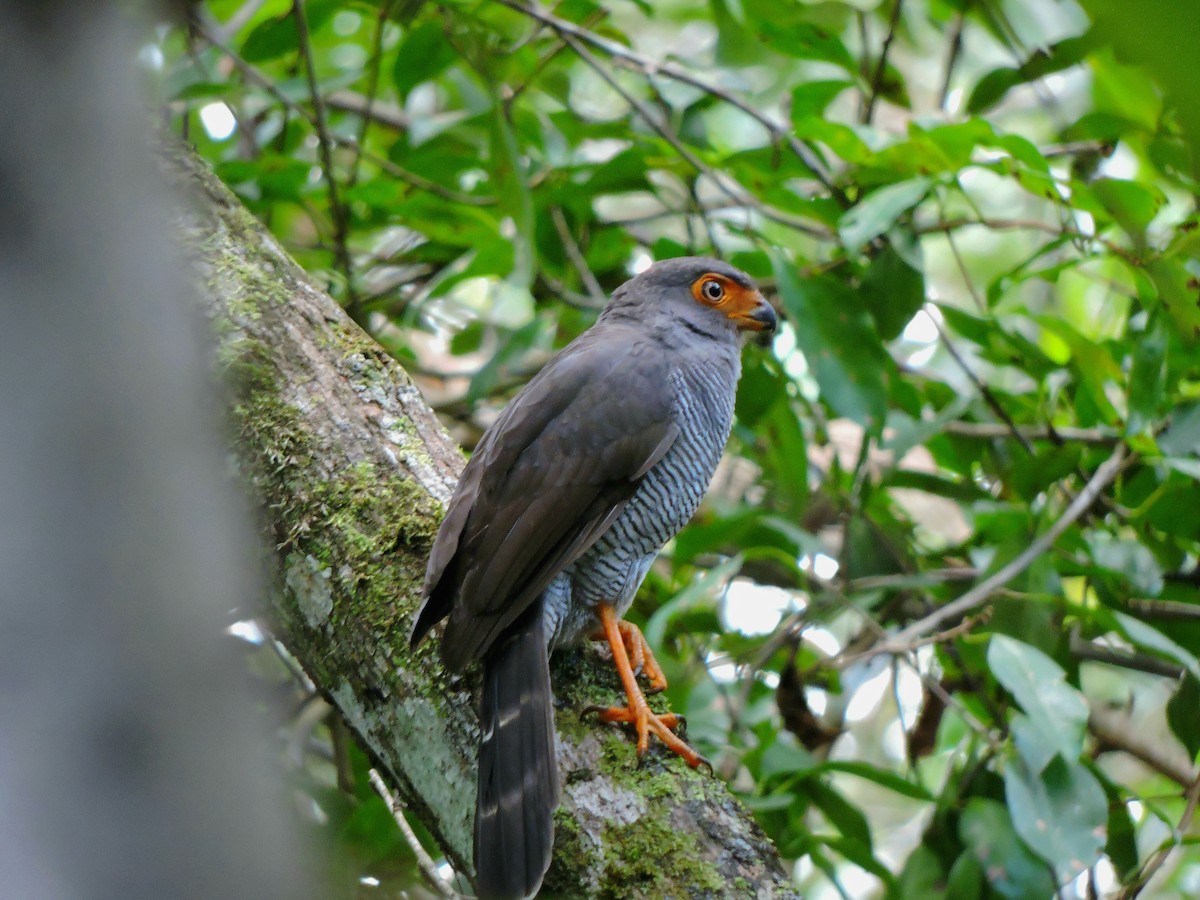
(518, 773)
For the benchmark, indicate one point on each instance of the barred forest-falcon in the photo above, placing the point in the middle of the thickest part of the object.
(587, 473)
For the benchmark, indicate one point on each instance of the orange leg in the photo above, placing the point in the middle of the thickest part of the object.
(626, 640)
(641, 657)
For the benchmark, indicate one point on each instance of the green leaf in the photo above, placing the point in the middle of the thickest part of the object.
(1060, 813)
(1121, 846)
(841, 813)
(879, 211)
(1131, 204)
(993, 86)
(840, 343)
(423, 54)
(1150, 638)
(1057, 713)
(1011, 870)
(1147, 379)
(276, 37)
(699, 594)
(1182, 713)
(894, 290)
(1132, 559)
(806, 41)
(785, 757)
(881, 777)
(965, 880)
(939, 485)
(1182, 438)
(841, 139)
(812, 97)
(923, 876)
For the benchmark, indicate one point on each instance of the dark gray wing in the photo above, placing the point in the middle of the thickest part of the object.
(545, 483)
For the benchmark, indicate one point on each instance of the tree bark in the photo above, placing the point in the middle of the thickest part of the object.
(353, 470)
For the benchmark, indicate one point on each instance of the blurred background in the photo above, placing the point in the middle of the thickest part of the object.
(977, 218)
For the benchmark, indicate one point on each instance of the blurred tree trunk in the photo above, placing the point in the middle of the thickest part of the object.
(353, 471)
(133, 763)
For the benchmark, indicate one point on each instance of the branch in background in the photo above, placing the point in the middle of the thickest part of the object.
(984, 391)
(1104, 437)
(897, 648)
(595, 293)
(649, 67)
(336, 210)
(1115, 731)
(952, 57)
(1170, 610)
(1168, 846)
(372, 88)
(424, 861)
(1076, 148)
(1087, 651)
(370, 108)
(1057, 230)
(881, 66)
(904, 639)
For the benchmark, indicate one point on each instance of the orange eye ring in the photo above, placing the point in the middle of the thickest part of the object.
(710, 289)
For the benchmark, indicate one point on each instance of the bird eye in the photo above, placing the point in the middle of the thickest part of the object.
(712, 290)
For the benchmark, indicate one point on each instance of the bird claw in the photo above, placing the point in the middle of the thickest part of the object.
(646, 722)
(629, 649)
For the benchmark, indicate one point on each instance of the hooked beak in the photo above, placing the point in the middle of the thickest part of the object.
(759, 316)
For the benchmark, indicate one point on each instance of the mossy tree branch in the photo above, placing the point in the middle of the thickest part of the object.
(352, 470)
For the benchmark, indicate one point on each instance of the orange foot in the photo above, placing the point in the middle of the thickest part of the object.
(632, 655)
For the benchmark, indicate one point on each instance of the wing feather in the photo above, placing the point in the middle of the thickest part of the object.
(544, 484)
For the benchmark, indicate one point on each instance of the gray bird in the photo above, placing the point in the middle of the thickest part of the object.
(596, 464)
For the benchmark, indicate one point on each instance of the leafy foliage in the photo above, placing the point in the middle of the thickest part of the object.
(979, 221)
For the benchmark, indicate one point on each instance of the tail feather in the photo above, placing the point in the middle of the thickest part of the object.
(518, 773)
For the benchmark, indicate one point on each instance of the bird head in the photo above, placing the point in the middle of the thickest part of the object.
(699, 293)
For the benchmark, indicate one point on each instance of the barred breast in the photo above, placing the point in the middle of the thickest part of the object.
(613, 569)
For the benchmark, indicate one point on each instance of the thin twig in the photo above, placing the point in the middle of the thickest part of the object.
(952, 57)
(1159, 857)
(1086, 651)
(951, 700)
(575, 255)
(1074, 148)
(325, 146)
(881, 65)
(424, 860)
(530, 77)
(984, 391)
(906, 580)
(979, 594)
(379, 112)
(1171, 610)
(959, 262)
(1058, 230)
(1064, 434)
(372, 88)
(942, 637)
